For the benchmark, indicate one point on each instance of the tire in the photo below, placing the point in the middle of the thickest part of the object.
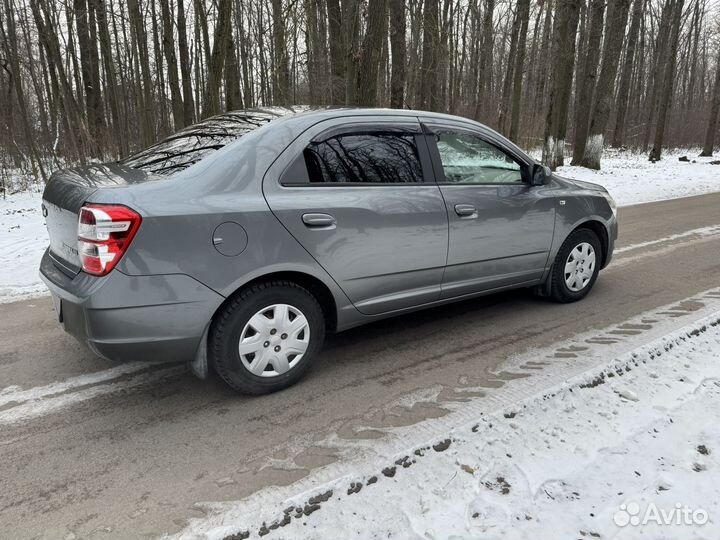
(584, 279)
(257, 316)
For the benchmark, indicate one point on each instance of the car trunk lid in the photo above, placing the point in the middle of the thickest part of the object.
(64, 196)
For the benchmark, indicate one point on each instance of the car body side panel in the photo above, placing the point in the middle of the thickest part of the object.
(507, 240)
(388, 247)
(575, 206)
(507, 243)
(171, 281)
(180, 217)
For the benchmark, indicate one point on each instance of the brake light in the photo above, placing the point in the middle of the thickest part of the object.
(104, 234)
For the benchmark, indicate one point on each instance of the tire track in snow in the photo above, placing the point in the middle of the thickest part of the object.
(18, 405)
(567, 359)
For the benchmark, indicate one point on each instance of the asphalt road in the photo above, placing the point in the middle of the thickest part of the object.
(129, 456)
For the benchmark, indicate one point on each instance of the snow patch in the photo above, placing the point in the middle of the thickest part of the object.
(523, 449)
(23, 239)
(632, 179)
(634, 435)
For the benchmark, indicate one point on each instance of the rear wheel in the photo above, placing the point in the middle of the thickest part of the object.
(265, 339)
(576, 266)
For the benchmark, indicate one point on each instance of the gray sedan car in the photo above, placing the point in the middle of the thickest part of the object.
(238, 243)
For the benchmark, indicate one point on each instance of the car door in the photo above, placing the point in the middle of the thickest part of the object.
(360, 196)
(500, 227)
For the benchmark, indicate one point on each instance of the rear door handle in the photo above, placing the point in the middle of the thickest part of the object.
(466, 210)
(318, 221)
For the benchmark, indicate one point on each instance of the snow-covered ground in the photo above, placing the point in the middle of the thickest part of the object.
(628, 449)
(23, 239)
(629, 177)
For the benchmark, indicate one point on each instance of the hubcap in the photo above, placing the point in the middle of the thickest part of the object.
(274, 340)
(580, 267)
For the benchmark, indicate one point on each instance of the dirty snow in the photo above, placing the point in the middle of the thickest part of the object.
(629, 177)
(627, 450)
(539, 389)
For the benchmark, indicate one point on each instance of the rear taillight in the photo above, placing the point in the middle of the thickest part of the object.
(104, 234)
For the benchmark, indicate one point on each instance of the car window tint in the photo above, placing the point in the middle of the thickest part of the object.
(467, 159)
(190, 145)
(372, 158)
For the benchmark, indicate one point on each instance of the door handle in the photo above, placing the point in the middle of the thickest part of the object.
(465, 210)
(318, 221)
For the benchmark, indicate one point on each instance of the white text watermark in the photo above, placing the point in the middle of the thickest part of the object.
(680, 514)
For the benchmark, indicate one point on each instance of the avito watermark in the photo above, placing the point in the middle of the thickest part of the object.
(681, 514)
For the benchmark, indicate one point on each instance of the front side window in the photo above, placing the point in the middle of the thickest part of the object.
(467, 159)
(368, 158)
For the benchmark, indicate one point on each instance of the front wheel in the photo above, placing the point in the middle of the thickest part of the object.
(265, 338)
(576, 266)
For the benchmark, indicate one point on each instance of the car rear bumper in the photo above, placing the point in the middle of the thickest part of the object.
(124, 318)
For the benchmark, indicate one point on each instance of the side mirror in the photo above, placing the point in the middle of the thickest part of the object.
(540, 175)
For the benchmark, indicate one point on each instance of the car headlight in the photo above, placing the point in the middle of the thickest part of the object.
(611, 202)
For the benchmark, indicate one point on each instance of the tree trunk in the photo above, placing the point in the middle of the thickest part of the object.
(312, 46)
(398, 53)
(90, 76)
(563, 56)
(337, 52)
(524, 14)
(351, 31)
(612, 47)
(626, 76)
(159, 90)
(431, 36)
(233, 97)
(112, 92)
(145, 97)
(486, 62)
(211, 104)
(281, 67)
(712, 125)
(185, 69)
(585, 84)
(658, 70)
(668, 79)
(509, 69)
(11, 40)
(169, 50)
(371, 52)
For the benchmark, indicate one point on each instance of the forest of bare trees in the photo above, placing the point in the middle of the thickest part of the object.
(99, 79)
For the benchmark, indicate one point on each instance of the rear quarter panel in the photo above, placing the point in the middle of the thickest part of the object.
(180, 216)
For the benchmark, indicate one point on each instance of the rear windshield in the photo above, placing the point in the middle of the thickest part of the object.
(192, 144)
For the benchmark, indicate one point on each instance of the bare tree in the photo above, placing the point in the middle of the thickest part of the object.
(627, 72)
(281, 71)
(102, 78)
(398, 53)
(169, 50)
(712, 124)
(431, 38)
(668, 79)
(370, 53)
(586, 79)
(563, 54)
(612, 46)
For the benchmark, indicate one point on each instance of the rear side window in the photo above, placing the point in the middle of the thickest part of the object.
(366, 158)
(194, 143)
